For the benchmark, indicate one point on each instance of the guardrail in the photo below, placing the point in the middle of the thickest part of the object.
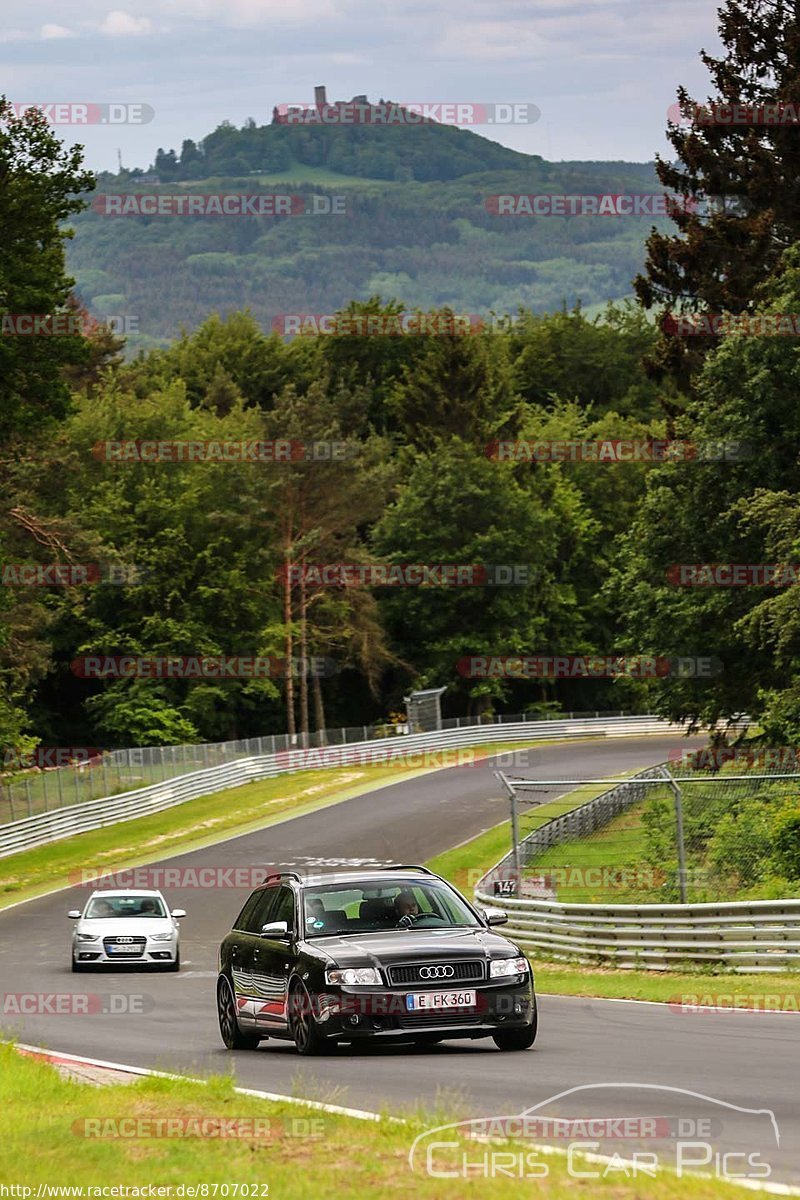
(747, 936)
(59, 823)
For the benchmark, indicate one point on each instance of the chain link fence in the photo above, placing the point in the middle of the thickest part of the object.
(94, 774)
(674, 833)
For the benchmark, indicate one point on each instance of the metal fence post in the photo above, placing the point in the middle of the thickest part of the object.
(515, 839)
(681, 846)
(678, 833)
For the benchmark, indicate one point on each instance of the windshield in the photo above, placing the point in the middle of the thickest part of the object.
(370, 907)
(112, 907)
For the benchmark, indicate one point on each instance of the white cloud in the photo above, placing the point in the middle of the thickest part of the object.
(122, 24)
(51, 32)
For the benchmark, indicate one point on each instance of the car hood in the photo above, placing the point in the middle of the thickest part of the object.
(120, 926)
(421, 945)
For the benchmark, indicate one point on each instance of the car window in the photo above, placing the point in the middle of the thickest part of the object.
(332, 909)
(284, 908)
(263, 911)
(244, 916)
(105, 908)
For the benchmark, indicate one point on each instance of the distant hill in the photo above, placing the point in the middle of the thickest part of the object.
(368, 149)
(428, 241)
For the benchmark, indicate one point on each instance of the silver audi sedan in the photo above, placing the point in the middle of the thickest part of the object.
(128, 926)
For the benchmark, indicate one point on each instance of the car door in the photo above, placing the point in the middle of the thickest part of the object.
(244, 957)
(275, 958)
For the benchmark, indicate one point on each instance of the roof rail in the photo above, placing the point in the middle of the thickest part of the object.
(407, 867)
(276, 875)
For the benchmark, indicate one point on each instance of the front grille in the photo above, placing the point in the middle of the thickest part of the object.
(128, 949)
(437, 1017)
(471, 969)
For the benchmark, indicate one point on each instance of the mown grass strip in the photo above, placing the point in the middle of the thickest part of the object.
(49, 1131)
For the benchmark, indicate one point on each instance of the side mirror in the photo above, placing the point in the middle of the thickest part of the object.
(495, 916)
(179, 912)
(74, 914)
(275, 929)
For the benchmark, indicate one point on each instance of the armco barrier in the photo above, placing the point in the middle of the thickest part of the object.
(746, 936)
(759, 935)
(94, 814)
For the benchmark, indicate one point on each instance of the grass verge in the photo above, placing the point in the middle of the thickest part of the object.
(298, 1154)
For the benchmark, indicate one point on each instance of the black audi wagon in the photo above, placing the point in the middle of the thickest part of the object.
(391, 955)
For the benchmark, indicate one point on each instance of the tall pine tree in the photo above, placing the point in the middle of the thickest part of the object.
(745, 176)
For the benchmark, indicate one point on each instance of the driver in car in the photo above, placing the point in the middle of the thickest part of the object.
(406, 908)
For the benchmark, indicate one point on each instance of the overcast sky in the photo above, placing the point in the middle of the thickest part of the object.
(602, 72)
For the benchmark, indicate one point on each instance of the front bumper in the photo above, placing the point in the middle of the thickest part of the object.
(151, 952)
(350, 1013)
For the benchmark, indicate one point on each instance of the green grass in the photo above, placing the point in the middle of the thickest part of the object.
(584, 870)
(691, 987)
(297, 173)
(299, 1154)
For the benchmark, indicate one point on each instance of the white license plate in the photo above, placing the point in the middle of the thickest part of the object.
(124, 949)
(416, 1001)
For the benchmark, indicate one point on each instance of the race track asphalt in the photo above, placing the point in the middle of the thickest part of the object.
(747, 1060)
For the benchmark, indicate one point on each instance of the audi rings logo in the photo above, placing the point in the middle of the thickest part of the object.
(124, 941)
(445, 972)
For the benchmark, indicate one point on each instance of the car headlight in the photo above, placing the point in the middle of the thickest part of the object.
(88, 937)
(501, 968)
(353, 975)
(161, 937)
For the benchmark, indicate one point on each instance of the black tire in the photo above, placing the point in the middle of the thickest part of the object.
(77, 967)
(176, 965)
(517, 1039)
(303, 1024)
(232, 1035)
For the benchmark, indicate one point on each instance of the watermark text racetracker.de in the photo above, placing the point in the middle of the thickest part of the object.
(727, 575)
(688, 1003)
(74, 1004)
(775, 114)
(586, 666)
(409, 112)
(217, 204)
(606, 204)
(433, 324)
(71, 112)
(704, 324)
(200, 666)
(66, 324)
(785, 759)
(213, 1128)
(69, 574)
(618, 450)
(274, 450)
(413, 575)
(161, 878)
